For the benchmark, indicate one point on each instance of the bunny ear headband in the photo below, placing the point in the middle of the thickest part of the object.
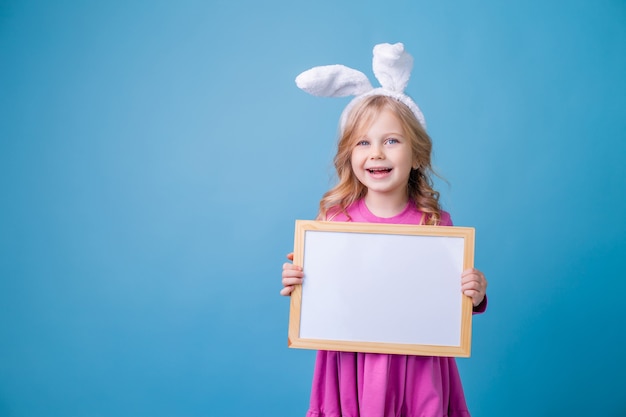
(392, 67)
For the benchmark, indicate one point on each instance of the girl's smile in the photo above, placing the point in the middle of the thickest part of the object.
(379, 171)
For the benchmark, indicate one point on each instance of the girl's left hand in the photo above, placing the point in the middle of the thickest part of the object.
(474, 284)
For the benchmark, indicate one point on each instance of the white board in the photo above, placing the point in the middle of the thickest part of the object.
(382, 288)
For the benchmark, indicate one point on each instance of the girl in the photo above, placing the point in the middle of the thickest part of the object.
(383, 165)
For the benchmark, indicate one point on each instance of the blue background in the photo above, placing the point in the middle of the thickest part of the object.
(154, 156)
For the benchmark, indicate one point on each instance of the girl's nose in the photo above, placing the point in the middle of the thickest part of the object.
(376, 153)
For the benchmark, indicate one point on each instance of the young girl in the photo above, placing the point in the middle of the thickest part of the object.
(383, 165)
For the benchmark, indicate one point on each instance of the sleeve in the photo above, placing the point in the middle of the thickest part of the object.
(480, 308)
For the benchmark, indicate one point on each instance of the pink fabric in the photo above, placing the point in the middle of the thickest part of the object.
(348, 384)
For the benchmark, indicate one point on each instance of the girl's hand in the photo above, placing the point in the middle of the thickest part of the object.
(474, 284)
(292, 275)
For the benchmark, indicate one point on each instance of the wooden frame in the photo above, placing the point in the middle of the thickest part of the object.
(382, 288)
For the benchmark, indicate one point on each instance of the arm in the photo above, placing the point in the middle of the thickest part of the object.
(474, 285)
(473, 282)
(292, 275)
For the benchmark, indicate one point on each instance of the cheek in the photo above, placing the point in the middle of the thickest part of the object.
(354, 159)
(354, 166)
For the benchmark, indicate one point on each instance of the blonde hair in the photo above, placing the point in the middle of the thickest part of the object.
(349, 189)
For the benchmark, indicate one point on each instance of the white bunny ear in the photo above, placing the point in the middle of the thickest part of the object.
(392, 66)
(333, 81)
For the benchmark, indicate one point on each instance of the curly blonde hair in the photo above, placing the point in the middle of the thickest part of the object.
(349, 189)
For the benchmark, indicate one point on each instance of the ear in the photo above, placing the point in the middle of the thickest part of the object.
(392, 66)
(333, 81)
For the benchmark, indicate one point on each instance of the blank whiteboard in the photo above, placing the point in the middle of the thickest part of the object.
(382, 288)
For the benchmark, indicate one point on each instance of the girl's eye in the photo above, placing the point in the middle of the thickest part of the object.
(362, 143)
(392, 141)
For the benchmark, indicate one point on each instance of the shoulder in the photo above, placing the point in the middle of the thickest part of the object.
(352, 213)
(446, 219)
(336, 214)
(417, 216)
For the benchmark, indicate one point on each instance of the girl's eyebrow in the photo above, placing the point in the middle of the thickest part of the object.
(393, 134)
(365, 136)
(384, 135)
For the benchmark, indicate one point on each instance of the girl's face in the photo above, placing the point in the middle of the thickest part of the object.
(382, 158)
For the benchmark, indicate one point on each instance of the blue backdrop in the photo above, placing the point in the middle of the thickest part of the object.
(154, 156)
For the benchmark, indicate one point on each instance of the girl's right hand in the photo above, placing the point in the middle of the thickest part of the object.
(292, 275)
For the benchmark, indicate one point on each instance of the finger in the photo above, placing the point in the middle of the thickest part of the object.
(288, 281)
(472, 285)
(469, 278)
(288, 266)
(290, 270)
(290, 256)
(476, 297)
(286, 290)
(472, 271)
(473, 293)
(292, 273)
(470, 293)
(473, 276)
(469, 271)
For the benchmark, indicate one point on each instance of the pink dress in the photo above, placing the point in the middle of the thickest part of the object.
(348, 384)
